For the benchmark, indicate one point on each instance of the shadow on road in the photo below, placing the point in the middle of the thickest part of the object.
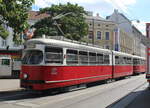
(23, 94)
(139, 99)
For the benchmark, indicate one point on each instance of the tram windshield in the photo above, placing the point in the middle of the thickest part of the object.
(32, 57)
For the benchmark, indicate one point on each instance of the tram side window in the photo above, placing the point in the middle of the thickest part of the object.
(53, 55)
(100, 59)
(92, 58)
(138, 61)
(123, 60)
(83, 57)
(143, 62)
(117, 60)
(5, 62)
(135, 61)
(126, 60)
(129, 61)
(72, 57)
(106, 59)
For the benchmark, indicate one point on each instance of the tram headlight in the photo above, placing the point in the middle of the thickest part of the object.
(25, 76)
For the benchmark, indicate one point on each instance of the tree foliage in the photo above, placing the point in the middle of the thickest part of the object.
(3, 32)
(71, 21)
(14, 13)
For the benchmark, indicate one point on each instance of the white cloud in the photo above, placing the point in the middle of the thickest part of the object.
(41, 3)
(104, 7)
(45, 3)
(119, 4)
(141, 26)
(97, 6)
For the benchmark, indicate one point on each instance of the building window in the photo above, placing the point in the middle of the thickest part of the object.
(107, 47)
(5, 62)
(90, 34)
(99, 25)
(107, 35)
(107, 25)
(98, 35)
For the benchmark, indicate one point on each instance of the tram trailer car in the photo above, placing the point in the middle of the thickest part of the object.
(49, 63)
(139, 65)
(122, 64)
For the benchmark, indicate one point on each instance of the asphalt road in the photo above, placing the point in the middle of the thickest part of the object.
(121, 94)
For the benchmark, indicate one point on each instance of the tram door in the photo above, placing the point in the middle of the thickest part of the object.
(5, 66)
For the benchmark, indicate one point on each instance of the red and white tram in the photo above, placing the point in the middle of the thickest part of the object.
(49, 63)
(123, 65)
(139, 65)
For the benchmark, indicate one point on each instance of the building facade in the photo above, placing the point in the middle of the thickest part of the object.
(109, 35)
(101, 32)
(131, 33)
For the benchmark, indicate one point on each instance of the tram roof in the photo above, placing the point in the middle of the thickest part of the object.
(139, 57)
(121, 54)
(62, 44)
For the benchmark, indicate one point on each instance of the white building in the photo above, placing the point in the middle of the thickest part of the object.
(126, 24)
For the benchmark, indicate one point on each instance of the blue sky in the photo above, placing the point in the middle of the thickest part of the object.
(132, 9)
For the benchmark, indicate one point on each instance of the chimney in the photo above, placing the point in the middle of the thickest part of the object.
(97, 14)
(115, 10)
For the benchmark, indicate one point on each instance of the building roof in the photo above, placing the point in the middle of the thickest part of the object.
(98, 18)
(137, 30)
(95, 17)
(36, 15)
(116, 12)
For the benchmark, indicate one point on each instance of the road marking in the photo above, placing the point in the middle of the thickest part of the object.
(27, 104)
(10, 102)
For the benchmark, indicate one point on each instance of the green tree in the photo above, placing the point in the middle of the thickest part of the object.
(3, 32)
(71, 21)
(14, 13)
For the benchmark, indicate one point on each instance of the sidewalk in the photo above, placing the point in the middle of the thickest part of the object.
(141, 101)
(9, 84)
(139, 98)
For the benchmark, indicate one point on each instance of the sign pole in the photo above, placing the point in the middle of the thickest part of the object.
(148, 53)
